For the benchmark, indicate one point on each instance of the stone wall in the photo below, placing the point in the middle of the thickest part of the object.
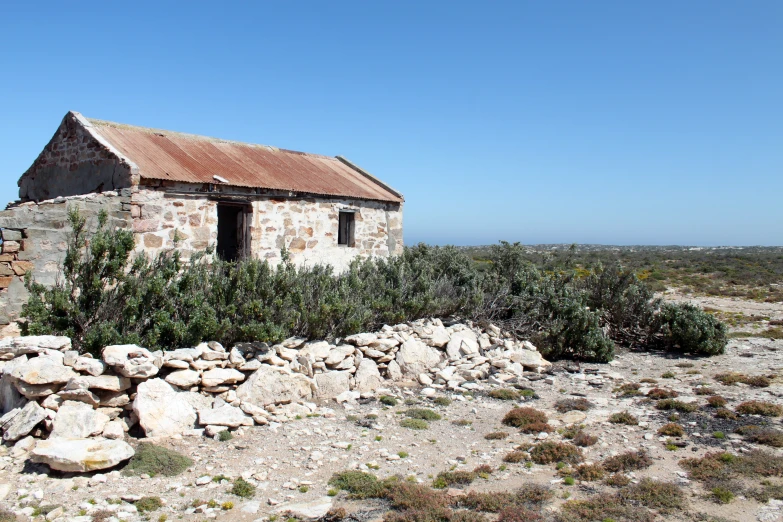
(74, 162)
(307, 227)
(49, 391)
(35, 239)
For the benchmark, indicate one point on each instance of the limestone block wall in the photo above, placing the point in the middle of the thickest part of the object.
(177, 216)
(35, 238)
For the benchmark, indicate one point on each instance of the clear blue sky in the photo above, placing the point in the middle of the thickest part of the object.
(590, 122)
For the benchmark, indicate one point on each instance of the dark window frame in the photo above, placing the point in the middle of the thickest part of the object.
(346, 228)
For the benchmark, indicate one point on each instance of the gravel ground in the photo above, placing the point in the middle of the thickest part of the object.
(290, 464)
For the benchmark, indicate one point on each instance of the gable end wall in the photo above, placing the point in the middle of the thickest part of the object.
(73, 163)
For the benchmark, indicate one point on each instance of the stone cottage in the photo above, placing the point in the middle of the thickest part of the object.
(189, 192)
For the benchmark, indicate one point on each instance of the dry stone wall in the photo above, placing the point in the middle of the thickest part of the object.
(35, 239)
(73, 407)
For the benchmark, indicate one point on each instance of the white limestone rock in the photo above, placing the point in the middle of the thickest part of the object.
(77, 420)
(33, 344)
(89, 365)
(183, 378)
(331, 384)
(361, 339)
(81, 455)
(275, 385)
(415, 357)
(113, 383)
(43, 370)
(161, 410)
(22, 423)
(219, 376)
(224, 416)
(130, 360)
(367, 377)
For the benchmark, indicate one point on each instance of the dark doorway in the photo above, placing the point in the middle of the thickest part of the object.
(232, 238)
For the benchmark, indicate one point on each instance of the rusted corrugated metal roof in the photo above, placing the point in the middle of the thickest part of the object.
(173, 156)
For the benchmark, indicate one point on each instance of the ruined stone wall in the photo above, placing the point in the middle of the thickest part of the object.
(35, 239)
(307, 227)
(74, 162)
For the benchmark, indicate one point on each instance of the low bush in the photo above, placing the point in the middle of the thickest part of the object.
(623, 418)
(104, 296)
(359, 484)
(589, 472)
(414, 424)
(515, 457)
(671, 404)
(664, 497)
(730, 378)
(671, 430)
(388, 400)
(602, 507)
(584, 440)
(155, 460)
(565, 405)
(766, 436)
(496, 435)
(243, 488)
(630, 389)
(724, 413)
(524, 417)
(629, 461)
(447, 479)
(766, 409)
(716, 401)
(550, 452)
(722, 466)
(661, 393)
(617, 480)
(148, 504)
(504, 394)
(422, 413)
(442, 401)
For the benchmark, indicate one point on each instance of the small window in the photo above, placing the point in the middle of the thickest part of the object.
(345, 230)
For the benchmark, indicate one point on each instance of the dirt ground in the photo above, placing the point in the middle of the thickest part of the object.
(291, 464)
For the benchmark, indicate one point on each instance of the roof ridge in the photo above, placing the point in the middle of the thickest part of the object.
(164, 132)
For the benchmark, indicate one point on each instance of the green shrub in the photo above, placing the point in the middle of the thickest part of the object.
(442, 401)
(156, 460)
(447, 479)
(243, 488)
(767, 409)
(688, 328)
(148, 504)
(388, 400)
(549, 452)
(504, 394)
(225, 435)
(104, 297)
(629, 461)
(414, 424)
(623, 417)
(422, 413)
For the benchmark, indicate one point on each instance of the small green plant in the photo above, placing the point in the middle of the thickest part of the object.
(304, 489)
(496, 435)
(333, 492)
(378, 438)
(668, 375)
(414, 424)
(155, 460)
(672, 404)
(388, 400)
(569, 481)
(422, 414)
(462, 422)
(442, 401)
(504, 394)
(453, 478)
(623, 418)
(148, 504)
(220, 478)
(225, 435)
(671, 430)
(226, 506)
(402, 454)
(243, 488)
(722, 495)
